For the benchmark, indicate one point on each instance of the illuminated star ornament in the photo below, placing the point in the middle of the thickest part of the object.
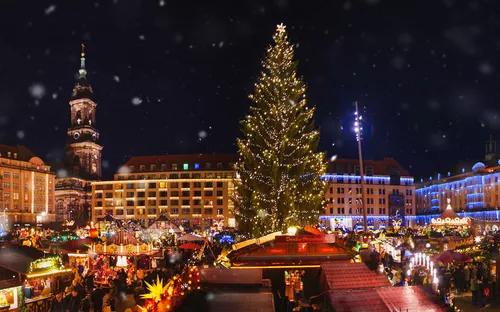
(281, 28)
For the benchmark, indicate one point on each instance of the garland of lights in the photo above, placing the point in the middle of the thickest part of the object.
(279, 171)
(35, 265)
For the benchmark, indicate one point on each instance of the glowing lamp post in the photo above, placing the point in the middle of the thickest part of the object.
(358, 130)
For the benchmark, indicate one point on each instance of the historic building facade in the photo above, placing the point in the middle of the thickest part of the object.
(197, 191)
(83, 154)
(192, 190)
(474, 192)
(390, 194)
(26, 188)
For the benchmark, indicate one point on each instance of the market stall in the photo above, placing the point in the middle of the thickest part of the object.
(10, 290)
(40, 275)
(450, 219)
(120, 251)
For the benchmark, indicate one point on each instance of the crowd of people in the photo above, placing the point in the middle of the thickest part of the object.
(457, 278)
(121, 294)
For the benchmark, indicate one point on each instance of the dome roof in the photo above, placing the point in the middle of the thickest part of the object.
(478, 166)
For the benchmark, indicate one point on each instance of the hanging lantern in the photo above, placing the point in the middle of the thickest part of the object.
(93, 233)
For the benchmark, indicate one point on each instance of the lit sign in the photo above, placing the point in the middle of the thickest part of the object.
(450, 221)
(300, 239)
(45, 264)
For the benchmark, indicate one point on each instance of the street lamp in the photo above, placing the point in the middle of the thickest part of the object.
(358, 129)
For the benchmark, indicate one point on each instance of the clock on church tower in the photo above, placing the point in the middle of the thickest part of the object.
(83, 152)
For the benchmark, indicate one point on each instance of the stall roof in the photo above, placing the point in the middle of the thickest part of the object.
(383, 299)
(14, 261)
(242, 302)
(122, 238)
(346, 275)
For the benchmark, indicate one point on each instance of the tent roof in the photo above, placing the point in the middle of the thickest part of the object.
(448, 213)
(346, 275)
(122, 238)
(383, 299)
(190, 237)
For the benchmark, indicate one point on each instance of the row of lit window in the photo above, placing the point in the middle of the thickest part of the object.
(154, 211)
(161, 185)
(358, 190)
(152, 202)
(359, 201)
(185, 166)
(142, 194)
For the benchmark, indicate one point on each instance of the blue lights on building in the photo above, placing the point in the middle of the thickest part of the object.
(491, 215)
(471, 187)
(384, 179)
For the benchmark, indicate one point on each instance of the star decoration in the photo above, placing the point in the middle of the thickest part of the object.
(281, 28)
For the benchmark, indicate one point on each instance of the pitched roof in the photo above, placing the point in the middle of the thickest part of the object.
(448, 213)
(346, 275)
(243, 302)
(23, 153)
(412, 298)
(386, 166)
(122, 238)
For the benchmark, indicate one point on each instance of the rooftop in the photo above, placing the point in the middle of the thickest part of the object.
(386, 166)
(225, 161)
(19, 152)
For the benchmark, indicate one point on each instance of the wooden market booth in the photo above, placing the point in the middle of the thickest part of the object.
(41, 274)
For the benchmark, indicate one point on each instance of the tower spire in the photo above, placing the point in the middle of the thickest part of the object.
(82, 71)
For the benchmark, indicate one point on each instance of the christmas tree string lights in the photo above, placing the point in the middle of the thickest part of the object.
(278, 167)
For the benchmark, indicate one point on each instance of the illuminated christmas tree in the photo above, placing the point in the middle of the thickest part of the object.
(278, 164)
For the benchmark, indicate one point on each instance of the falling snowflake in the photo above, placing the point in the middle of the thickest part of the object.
(116, 78)
(105, 164)
(210, 296)
(162, 3)
(221, 44)
(54, 96)
(37, 90)
(62, 173)
(50, 9)
(136, 101)
(20, 134)
(124, 170)
(142, 37)
(486, 68)
(333, 158)
(202, 134)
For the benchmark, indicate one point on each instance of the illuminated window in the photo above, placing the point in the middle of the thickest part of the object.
(196, 166)
(185, 166)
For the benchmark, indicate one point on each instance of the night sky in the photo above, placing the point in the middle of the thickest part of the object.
(174, 76)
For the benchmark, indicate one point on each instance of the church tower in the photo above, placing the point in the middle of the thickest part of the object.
(491, 151)
(83, 152)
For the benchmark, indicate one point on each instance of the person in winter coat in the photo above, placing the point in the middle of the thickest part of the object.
(474, 287)
(58, 303)
(74, 302)
(466, 278)
(97, 297)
